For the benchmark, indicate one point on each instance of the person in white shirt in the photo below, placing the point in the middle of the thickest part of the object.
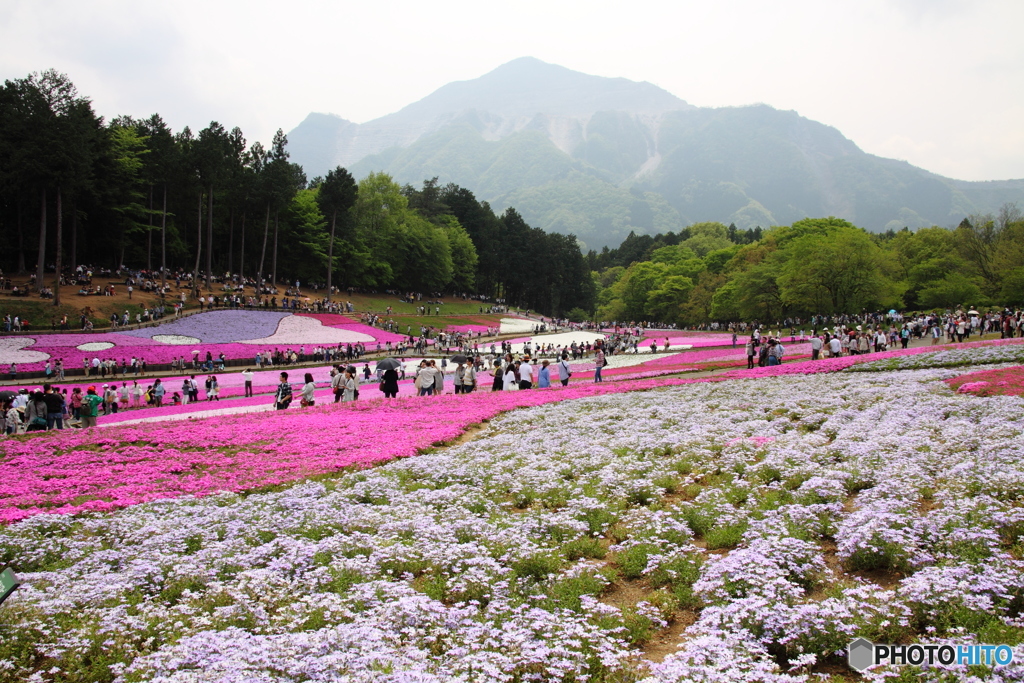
(247, 376)
(563, 370)
(137, 394)
(525, 374)
(508, 379)
(835, 347)
(816, 345)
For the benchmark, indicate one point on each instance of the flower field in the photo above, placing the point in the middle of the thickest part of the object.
(235, 333)
(761, 525)
(1000, 382)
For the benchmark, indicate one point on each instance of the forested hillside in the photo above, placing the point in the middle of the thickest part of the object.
(709, 272)
(75, 189)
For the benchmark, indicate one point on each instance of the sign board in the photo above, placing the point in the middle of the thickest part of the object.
(8, 584)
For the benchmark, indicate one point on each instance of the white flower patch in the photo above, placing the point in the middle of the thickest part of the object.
(176, 339)
(516, 326)
(12, 350)
(560, 339)
(299, 329)
(95, 346)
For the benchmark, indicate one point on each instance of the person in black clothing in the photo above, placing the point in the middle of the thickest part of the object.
(389, 385)
(54, 407)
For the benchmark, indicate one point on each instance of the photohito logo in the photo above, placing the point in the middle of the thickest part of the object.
(862, 653)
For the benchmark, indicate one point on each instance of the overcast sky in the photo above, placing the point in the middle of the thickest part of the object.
(935, 82)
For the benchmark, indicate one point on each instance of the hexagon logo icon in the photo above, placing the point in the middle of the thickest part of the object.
(860, 654)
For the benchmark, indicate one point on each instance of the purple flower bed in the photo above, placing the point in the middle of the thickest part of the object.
(218, 327)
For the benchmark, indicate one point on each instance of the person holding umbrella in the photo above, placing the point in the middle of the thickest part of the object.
(387, 370)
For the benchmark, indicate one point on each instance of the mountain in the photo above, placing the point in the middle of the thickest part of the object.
(601, 157)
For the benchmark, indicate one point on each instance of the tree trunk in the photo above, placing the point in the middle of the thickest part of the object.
(209, 239)
(273, 262)
(21, 244)
(149, 234)
(60, 229)
(231, 241)
(74, 235)
(263, 254)
(199, 248)
(330, 254)
(241, 255)
(42, 242)
(163, 244)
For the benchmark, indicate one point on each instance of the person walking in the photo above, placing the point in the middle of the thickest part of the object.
(564, 373)
(544, 375)
(158, 392)
(600, 362)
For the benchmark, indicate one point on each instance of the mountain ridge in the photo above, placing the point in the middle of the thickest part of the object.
(529, 134)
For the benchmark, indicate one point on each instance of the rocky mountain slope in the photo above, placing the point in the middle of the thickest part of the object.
(600, 157)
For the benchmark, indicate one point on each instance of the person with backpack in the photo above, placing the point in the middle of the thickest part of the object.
(90, 407)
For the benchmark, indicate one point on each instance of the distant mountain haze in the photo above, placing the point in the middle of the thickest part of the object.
(601, 157)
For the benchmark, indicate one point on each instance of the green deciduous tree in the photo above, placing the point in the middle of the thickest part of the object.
(841, 271)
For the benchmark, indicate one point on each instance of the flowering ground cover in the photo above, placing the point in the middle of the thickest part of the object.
(75, 470)
(235, 333)
(968, 353)
(517, 325)
(765, 524)
(217, 327)
(693, 339)
(999, 382)
(469, 328)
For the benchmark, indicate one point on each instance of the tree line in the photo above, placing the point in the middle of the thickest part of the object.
(75, 189)
(709, 272)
